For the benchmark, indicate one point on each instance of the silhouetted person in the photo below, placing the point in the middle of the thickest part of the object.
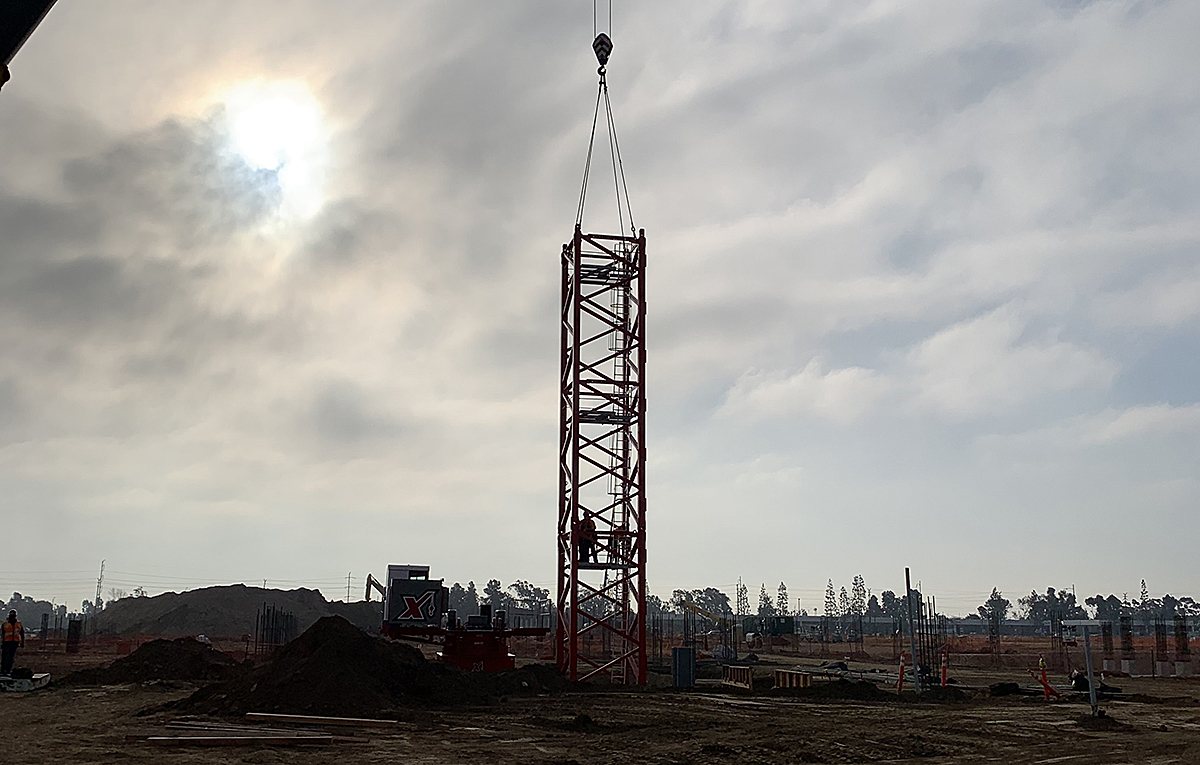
(587, 541)
(14, 637)
(621, 540)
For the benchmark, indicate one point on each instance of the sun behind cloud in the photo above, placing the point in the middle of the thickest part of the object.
(279, 126)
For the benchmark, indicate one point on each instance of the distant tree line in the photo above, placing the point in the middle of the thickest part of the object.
(839, 603)
(1061, 604)
(518, 596)
(30, 611)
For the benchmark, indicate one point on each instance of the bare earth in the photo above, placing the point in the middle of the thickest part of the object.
(707, 725)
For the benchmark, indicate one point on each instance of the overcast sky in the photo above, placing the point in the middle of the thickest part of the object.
(924, 290)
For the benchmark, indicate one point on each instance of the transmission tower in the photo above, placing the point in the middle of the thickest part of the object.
(601, 629)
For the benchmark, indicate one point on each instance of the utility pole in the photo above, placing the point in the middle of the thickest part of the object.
(99, 584)
(96, 603)
(912, 632)
(348, 586)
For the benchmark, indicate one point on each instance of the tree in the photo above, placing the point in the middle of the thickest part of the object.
(458, 600)
(1108, 609)
(713, 600)
(1145, 595)
(782, 606)
(765, 606)
(710, 599)
(830, 600)
(995, 608)
(843, 604)
(529, 597)
(496, 595)
(1055, 604)
(858, 595)
(892, 606)
(1187, 607)
(655, 605)
(743, 599)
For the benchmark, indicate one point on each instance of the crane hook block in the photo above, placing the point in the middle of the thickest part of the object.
(603, 47)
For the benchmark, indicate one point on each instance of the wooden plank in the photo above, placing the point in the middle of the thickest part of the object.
(257, 729)
(362, 722)
(232, 729)
(239, 740)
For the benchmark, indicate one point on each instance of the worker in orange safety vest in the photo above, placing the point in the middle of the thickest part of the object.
(14, 637)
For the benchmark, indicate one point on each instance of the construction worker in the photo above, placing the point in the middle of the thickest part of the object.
(587, 540)
(621, 540)
(14, 637)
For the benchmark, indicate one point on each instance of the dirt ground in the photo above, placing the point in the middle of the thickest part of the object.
(709, 724)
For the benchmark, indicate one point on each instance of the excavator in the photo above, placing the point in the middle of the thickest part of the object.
(726, 630)
(18, 19)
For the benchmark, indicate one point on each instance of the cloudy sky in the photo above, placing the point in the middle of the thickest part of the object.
(279, 284)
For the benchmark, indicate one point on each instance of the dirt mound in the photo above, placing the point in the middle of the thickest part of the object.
(838, 690)
(226, 611)
(1101, 722)
(334, 668)
(182, 659)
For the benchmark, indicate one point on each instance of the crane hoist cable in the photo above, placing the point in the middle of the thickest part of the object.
(602, 46)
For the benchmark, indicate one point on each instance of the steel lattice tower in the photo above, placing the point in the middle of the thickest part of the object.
(601, 626)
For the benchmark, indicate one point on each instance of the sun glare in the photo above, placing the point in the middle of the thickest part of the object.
(279, 126)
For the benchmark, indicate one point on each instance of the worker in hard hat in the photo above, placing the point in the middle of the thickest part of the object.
(587, 540)
(14, 637)
(621, 540)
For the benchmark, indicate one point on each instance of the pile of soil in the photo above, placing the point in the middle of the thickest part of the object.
(183, 659)
(336, 669)
(838, 690)
(227, 611)
(1103, 722)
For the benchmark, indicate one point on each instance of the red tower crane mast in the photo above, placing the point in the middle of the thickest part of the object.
(601, 605)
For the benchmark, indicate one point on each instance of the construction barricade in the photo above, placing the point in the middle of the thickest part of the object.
(738, 677)
(792, 678)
